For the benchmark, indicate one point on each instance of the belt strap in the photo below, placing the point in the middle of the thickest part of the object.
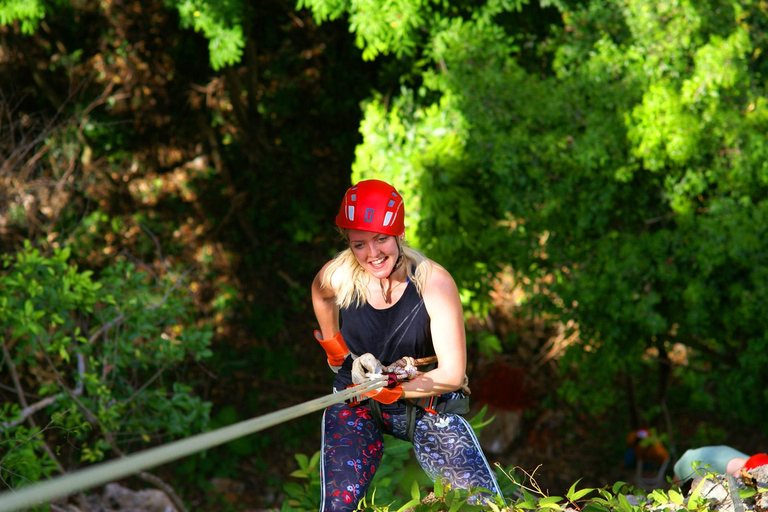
(410, 420)
(376, 413)
(412, 407)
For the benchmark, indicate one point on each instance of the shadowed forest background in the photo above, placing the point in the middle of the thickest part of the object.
(593, 174)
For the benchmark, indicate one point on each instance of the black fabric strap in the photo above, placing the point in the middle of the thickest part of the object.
(376, 413)
(410, 419)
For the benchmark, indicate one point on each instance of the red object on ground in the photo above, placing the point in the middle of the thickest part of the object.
(755, 461)
(502, 386)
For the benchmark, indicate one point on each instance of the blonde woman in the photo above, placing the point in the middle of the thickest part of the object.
(383, 302)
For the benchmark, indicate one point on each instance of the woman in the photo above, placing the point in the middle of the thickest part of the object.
(381, 297)
(721, 459)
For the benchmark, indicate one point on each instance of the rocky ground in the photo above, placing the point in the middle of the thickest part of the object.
(722, 493)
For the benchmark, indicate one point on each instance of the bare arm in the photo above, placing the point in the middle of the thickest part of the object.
(441, 298)
(324, 304)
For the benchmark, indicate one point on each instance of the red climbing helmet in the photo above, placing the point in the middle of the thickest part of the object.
(755, 461)
(372, 205)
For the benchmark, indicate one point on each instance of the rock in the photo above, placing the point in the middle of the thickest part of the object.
(716, 489)
(761, 502)
(122, 499)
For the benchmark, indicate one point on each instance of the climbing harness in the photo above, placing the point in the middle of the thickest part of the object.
(105, 472)
(367, 366)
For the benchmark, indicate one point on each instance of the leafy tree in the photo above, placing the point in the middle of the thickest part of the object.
(125, 135)
(28, 13)
(89, 365)
(617, 168)
(611, 154)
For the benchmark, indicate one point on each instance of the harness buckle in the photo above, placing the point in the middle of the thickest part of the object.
(429, 407)
(355, 400)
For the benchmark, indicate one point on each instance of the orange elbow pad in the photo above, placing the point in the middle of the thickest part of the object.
(335, 348)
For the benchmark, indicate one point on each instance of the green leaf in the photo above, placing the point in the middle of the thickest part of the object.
(574, 495)
(595, 507)
(302, 460)
(676, 497)
(408, 504)
(580, 494)
(624, 504)
(658, 497)
(439, 490)
(552, 502)
(415, 492)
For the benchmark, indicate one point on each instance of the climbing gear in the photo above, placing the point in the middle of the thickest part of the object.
(406, 368)
(113, 470)
(372, 205)
(385, 395)
(432, 405)
(335, 349)
(366, 367)
(397, 265)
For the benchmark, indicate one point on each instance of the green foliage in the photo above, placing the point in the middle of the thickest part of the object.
(405, 27)
(221, 24)
(525, 494)
(611, 153)
(628, 174)
(379, 27)
(23, 459)
(27, 12)
(100, 353)
(304, 496)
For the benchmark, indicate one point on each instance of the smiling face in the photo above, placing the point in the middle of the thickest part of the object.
(375, 252)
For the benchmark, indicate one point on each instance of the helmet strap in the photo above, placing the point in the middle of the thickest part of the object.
(398, 264)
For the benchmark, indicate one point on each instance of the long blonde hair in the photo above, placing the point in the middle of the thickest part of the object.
(349, 280)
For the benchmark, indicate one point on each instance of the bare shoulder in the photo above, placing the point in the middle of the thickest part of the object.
(317, 284)
(439, 283)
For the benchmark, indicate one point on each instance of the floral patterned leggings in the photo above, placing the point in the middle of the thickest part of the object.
(445, 446)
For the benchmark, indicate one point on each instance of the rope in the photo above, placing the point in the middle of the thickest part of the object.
(105, 472)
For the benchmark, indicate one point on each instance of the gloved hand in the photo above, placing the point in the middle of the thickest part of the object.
(405, 368)
(367, 367)
(335, 349)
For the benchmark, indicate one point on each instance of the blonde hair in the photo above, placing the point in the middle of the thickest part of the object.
(349, 280)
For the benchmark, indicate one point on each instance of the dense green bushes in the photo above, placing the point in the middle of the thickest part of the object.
(90, 363)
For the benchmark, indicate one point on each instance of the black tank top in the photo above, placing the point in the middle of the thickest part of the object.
(389, 334)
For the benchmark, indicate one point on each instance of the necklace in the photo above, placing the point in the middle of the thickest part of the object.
(387, 294)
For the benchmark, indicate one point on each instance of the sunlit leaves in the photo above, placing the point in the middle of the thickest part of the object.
(220, 22)
(637, 165)
(27, 12)
(664, 131)
(401, 140)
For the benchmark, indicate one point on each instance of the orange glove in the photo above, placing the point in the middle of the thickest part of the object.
(391, 393)
(386, 395)
(335, 348)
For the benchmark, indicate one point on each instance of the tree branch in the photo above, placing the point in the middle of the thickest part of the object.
(23, 401)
